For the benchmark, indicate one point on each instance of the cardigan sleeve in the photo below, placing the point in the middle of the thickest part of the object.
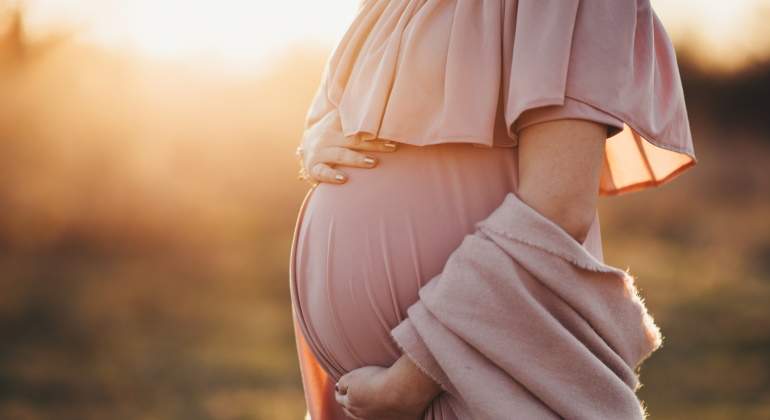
(523, 317)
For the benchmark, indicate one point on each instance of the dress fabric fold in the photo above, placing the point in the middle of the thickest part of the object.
(442, 71)
(524, 322)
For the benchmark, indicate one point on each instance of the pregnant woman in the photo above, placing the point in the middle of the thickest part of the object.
(444, 112)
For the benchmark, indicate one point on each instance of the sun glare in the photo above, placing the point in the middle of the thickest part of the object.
(244, 32)
(240, 32)
(724, 34)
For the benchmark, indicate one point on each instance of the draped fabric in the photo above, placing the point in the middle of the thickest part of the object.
(443, 71)
(524, 322)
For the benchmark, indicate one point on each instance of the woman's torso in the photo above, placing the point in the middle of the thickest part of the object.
(365, 247)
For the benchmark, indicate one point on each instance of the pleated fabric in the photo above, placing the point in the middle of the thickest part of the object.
(424, 72)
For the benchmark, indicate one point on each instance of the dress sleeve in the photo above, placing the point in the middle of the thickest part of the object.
(572, 109)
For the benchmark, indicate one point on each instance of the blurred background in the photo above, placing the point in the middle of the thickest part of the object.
(148, 194)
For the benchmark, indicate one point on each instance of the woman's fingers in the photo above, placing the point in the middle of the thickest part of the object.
(355, 142)
(343, 156)
(344, 401)
(350, 414)
(343, 151)
(322, 172)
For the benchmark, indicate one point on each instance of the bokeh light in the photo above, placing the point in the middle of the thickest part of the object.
(243, 33)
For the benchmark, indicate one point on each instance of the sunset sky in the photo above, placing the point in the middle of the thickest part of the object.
(243, 33)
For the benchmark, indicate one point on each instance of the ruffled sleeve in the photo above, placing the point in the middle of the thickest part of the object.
(433, 72)
(615, 56)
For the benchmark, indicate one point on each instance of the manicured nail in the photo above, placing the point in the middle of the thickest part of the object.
(390, 145)
(339, 177)
(369, 160)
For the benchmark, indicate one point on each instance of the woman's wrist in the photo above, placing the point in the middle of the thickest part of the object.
(410, 385)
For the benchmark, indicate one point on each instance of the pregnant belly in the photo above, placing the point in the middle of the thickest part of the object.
(364, 248)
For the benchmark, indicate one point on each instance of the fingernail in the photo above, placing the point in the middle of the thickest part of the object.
(369, 160)
(337, 387)
(390, 145)
(339, 177)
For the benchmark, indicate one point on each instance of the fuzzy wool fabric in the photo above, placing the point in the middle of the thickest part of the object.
(525, 323)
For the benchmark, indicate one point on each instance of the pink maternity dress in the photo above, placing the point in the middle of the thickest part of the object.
(441, 78)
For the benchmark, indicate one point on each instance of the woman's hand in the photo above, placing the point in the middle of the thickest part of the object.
(324, 147)
(400, 392)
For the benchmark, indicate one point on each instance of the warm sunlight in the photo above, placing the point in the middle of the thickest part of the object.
(237, 32)
(150, 196)
(243, 32)
(724, 34)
